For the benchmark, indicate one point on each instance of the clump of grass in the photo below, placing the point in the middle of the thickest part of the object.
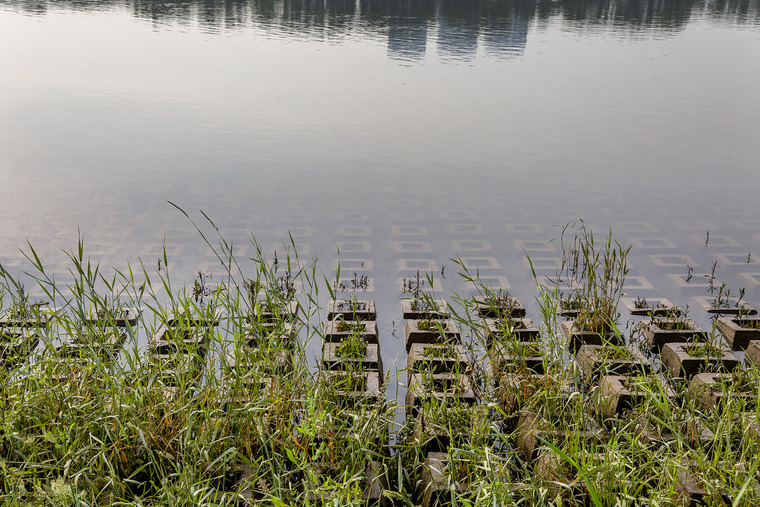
(351, 306)
(723, 298)
(738, 381)
(523, 349)
(356, 283)
(615, 353)
(413, 285)
(421, 289)
(674, 319)
(595, 271)
(501, 298)
(349, 381)
(509, 326)
(570, 302)
(350, 326)
(431, 324)
(354, 346)
(640, 302)
(749, 323)
(672, 325)
(439, 352)
(703, 350)
(599, 272)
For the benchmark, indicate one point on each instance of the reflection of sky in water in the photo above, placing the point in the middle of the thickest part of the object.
(403, 137)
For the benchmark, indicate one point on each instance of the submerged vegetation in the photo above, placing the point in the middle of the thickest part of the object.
(221, 406)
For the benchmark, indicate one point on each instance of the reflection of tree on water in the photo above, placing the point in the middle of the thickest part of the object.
(461, 25)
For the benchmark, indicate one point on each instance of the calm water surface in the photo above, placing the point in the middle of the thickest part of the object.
(404, 133)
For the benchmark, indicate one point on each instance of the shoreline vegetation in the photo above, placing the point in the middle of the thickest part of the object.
(222, 406)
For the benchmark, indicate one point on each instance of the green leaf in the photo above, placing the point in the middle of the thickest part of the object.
(750, 478)
(581, 471)
(291, 456)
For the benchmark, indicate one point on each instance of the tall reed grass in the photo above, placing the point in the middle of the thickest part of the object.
(127, 389)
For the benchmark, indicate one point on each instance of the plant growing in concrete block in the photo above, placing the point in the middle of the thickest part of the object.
(688, 359)
(739, 331)
(596, 360)
(430, 331)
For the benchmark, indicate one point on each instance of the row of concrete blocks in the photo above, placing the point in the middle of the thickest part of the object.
(352, 324)
(436, 368)
(438, 373)
(686, 356)
(19, 336)
(595, 353)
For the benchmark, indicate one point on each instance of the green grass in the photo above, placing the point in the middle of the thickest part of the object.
(237, 409)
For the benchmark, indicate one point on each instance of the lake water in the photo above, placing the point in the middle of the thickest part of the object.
(403, 133)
